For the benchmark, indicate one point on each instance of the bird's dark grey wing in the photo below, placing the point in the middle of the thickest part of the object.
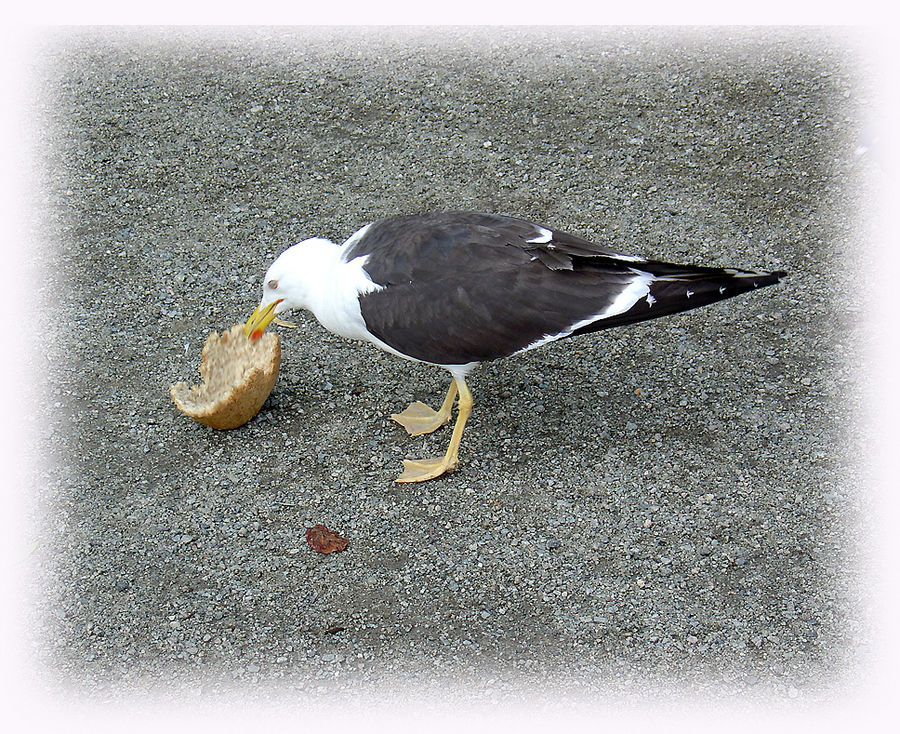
(475, 317)
(462, 287)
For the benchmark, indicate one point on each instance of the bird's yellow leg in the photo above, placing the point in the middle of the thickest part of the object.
(418, 418)
(420, 470)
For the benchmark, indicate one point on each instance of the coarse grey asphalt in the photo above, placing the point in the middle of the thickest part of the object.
(669, 507)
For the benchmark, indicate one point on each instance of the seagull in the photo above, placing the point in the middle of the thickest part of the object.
(455, 289)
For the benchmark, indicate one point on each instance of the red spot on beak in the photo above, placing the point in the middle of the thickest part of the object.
(256, 334)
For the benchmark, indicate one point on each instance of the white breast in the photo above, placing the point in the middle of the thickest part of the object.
(334, 298)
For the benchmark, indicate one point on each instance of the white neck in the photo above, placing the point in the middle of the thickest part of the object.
(327, 286)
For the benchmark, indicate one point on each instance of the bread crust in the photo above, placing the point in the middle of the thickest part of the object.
(238, 376)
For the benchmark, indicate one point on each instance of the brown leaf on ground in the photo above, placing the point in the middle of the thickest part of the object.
(323, 540)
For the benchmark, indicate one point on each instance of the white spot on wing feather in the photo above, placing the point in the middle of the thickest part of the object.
(544, 236)
(629, 258)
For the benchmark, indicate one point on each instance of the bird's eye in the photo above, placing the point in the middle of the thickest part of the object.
(273, 284)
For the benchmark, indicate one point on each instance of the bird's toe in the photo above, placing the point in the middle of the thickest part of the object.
(421, 470)
(419, 419)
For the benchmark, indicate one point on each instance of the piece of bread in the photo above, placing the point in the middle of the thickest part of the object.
(238, 375)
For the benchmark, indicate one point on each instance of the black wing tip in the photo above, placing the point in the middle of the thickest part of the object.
(762, 277)
(774, 277)
(766, 279)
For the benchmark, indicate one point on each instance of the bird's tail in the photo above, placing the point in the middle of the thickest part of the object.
(675, 288)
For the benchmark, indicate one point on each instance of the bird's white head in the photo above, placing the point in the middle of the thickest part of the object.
(289, 282)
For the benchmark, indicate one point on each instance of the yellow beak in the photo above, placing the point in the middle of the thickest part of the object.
(260, 319)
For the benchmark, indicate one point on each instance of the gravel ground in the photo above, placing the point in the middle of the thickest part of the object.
(671, 507)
